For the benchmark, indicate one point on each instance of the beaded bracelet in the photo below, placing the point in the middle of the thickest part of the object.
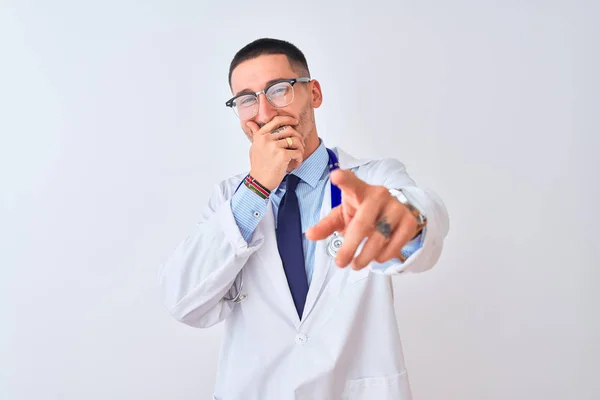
(256, 187)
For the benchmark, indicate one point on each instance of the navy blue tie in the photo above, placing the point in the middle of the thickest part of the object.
(289, 243)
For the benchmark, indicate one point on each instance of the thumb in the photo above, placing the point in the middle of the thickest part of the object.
(326, 226)
(253, 126)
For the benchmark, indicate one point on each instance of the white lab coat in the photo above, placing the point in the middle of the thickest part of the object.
(347, 344)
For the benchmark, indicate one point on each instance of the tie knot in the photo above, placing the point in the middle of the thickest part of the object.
(291, 182)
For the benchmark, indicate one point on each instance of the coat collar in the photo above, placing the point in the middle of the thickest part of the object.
(315, 166)
(348, 161)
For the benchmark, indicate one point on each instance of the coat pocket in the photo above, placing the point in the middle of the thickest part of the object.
(390, 387)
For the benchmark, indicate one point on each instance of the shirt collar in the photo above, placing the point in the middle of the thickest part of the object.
(311, 169)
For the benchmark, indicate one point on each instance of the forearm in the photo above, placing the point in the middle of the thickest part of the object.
(202, 269)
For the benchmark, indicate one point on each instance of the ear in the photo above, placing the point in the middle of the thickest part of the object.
(316, 94)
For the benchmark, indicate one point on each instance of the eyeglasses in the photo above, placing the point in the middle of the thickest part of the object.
(279, 94)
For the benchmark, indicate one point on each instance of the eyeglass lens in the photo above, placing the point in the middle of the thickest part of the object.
(279, 95)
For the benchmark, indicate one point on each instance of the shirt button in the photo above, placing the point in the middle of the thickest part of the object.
(301, 338)
(256, 214)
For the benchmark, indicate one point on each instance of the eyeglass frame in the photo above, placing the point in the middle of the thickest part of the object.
(291, 81)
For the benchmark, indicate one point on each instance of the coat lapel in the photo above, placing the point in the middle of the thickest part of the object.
(322, 261)
(273, 267)
(324, 266)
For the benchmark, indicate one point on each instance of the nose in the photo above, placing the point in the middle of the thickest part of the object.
(266, 111)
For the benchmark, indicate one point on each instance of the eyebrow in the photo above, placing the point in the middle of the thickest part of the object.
(248, 91)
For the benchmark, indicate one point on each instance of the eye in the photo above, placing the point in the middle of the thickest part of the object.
(280, 89)
(245, 101)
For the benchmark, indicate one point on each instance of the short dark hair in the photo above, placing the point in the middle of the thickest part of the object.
(270, 46)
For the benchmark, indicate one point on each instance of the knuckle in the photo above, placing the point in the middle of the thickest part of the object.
(381, 257)
(408, 220)
(342, 255)
(412, 224)
(386, 257)
(380, 190)
(362, 222)
(397, 209)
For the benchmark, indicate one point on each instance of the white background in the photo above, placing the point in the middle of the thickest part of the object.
(113, 129)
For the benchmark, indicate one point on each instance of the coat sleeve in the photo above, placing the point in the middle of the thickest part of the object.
(202, 269)
(392, 174)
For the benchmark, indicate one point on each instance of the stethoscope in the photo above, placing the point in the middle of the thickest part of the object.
(335, 240)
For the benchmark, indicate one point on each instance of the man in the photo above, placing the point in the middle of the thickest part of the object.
(307, 317)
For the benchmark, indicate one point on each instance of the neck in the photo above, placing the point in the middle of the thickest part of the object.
(312, 143)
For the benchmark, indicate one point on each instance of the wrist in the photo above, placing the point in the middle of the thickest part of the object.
(412, 207)
(258, 188)
(264, 182)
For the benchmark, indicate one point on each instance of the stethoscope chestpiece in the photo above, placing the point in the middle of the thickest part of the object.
(239, 298)
(335, 243)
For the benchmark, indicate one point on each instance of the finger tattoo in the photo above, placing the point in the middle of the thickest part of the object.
(282, 127)
(384, 227)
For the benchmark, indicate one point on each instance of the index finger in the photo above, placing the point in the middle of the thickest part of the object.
(276, 122)
(349, 183)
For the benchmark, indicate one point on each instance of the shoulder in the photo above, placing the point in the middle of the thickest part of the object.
(370, 169)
